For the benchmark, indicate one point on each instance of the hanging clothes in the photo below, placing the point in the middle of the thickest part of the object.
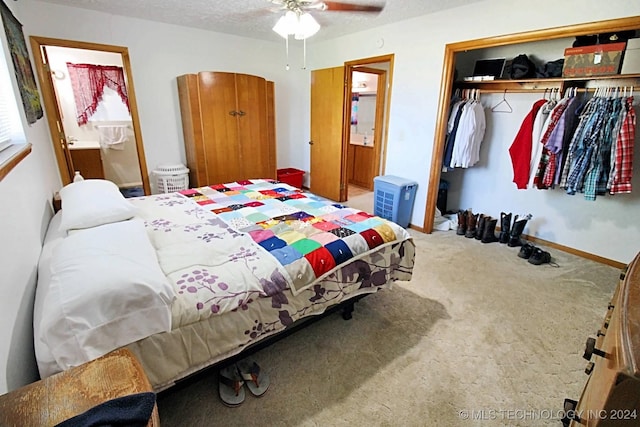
(623, 163)
(452, 129)
(546, 157)
(466, 147)
(466, 127)
(520, 149)
(600, 155)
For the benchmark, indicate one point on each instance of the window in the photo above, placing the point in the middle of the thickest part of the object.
(12, 138)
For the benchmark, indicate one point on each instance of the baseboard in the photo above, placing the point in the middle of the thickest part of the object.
(574, 251)
(415, 227)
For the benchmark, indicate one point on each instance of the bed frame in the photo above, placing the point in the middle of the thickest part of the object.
(345, 307)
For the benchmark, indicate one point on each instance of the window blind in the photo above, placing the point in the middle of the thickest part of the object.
(10, 124)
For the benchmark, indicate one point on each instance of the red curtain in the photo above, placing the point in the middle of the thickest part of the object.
(88, 82)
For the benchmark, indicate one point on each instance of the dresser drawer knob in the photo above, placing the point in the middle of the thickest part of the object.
(590, 349)
(589, 368)
(570, 413)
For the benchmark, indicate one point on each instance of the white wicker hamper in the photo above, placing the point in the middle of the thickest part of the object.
(170, 178)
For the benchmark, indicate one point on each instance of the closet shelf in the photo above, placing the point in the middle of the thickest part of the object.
(556, 83)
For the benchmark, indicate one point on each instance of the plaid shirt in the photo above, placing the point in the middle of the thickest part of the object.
(553, 144)
(595, 180)
(586, 146)
(624, 152)
(576, 141)
(554, 120)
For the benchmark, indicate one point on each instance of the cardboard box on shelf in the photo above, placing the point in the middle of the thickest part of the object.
(631, 62)
(596, 60)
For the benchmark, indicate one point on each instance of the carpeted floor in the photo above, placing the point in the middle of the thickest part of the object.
(478, 337)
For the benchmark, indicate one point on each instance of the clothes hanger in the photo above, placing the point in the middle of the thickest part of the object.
(506, 105)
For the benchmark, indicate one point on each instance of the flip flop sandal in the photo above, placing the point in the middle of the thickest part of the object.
(230, 386)
(257, 380)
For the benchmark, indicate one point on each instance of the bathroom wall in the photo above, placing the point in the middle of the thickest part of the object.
(119, 166)
(365, 84)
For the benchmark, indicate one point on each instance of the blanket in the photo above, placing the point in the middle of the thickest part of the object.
(224, 245)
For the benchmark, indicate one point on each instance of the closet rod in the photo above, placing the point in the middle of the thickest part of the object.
(538, 90)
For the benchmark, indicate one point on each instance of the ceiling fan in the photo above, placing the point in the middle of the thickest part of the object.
(302, 6)
(297, 20)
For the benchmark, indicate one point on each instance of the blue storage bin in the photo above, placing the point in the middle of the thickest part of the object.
(393, 198)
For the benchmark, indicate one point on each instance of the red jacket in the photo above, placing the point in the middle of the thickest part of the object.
(520, 150)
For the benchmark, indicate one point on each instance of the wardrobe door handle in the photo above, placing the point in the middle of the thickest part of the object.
(241, 113)
(232, 113)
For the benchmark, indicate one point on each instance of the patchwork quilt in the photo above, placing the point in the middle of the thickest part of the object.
(308, 235)
(225, 246)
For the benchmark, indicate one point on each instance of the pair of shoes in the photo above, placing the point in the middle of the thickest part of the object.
(233, 378)
(484, 228)
(526, 250)
(539, 257)
(534, 255)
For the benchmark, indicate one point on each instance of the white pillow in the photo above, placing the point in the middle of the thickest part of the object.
(93, 202)
(106, 291)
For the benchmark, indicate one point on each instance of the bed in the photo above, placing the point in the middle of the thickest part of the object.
(190, 279)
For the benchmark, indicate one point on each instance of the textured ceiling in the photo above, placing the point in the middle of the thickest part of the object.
(255, 18)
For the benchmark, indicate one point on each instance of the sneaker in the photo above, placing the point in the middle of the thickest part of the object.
(526, 250)
(539, 257)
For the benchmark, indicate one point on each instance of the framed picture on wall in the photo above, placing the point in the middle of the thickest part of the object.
(22, 65)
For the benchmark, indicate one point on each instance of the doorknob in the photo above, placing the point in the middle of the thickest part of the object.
(310, 142)
(241, 113)
(232, 113)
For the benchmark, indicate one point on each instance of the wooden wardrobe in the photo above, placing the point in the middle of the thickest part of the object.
(228, 122)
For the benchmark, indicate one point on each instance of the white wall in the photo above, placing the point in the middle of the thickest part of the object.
(160, 52)
(418, 45)
(25, 195)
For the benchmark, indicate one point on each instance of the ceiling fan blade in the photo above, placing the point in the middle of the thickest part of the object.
(348, 7)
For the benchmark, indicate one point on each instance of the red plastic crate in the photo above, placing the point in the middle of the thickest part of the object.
(291, 176)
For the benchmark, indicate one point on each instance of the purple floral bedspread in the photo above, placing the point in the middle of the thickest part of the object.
(231, 291)
(224, 246)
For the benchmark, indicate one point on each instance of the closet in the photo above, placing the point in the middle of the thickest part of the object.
(228, 123)
(523, 91)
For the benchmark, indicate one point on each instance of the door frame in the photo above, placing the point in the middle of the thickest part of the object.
(50, 101)
(378, 121)
(380, 149)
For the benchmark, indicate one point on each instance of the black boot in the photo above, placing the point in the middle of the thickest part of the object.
(517, 229)
(482, 220)
(489, 232)
(505, 226)
(462, 223)
(472, 223)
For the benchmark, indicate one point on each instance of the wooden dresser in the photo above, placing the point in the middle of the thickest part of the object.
(59, 397)
(611, 396)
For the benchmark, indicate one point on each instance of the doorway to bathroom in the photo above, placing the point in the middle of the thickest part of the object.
(370, 84)
(88, 95)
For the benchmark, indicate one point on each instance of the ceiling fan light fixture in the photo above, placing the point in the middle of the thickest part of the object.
(287, 24)
(307, 27)
(301, 25)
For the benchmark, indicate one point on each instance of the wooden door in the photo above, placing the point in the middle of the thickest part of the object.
(327, 133)
(257, 154)
(219, 127)
(57, 118)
